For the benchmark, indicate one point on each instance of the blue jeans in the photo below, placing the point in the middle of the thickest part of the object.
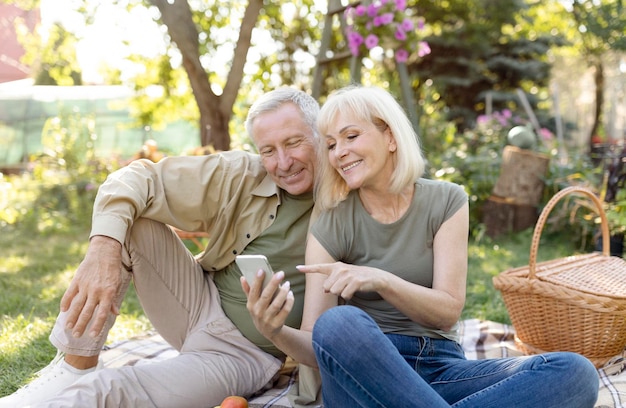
(363, 367)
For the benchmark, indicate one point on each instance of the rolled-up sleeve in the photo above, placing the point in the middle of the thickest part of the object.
(186, 192)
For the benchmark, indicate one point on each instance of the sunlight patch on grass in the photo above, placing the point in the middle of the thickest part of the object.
(49, 293)
(17, 332)
(12, 263)
(127, 326)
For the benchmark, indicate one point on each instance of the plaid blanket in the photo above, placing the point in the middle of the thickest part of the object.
(480, 340)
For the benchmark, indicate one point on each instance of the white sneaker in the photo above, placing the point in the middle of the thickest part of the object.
(50, 381)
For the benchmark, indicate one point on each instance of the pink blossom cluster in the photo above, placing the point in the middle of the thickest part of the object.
(385, 23)
(506, 119)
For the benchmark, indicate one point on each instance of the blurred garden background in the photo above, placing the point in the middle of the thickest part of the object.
(87, 86)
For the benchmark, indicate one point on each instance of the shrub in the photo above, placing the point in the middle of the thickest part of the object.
(62, 182)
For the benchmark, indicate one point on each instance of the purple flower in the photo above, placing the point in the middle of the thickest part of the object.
(407, 24)
(400, 34)
(372, 10)
(355, 39)
(502, 120)
(402, 55)
(401, 5)
(375, 23)
(371, 41)
(386, 18)
(420, 24)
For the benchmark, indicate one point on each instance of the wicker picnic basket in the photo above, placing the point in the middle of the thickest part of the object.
(577, 303)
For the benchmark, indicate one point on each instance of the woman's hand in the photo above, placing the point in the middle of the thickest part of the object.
(270, 306)
(345, 280)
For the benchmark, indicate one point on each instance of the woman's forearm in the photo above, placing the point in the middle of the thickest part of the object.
(297, 344)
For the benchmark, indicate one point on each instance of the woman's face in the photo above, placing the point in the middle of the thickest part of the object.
(360, 152)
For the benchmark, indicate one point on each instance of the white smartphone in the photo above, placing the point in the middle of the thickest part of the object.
(250, 265)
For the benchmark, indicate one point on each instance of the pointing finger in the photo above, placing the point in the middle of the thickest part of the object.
(324, 269)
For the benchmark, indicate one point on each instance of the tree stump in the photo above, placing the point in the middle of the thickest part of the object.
(502, 216)
(521, 176)
(517, 192)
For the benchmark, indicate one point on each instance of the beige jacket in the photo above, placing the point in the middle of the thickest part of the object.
(229, 195)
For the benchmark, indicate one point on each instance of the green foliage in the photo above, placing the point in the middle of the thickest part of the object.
(282, 52)
(476, 48)
(294, 29)
(54, 61)
(601, 25)
(614, 190)
(616, 213)
(162, 94)
(61, 186)
(472, 159)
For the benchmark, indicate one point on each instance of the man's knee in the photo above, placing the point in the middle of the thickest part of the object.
(144, 233)
(144, 228)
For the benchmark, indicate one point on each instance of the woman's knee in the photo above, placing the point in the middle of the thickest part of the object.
(335, 317)
(579, 371)
(573, 363)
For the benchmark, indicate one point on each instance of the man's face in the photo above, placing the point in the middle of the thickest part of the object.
(287, 147)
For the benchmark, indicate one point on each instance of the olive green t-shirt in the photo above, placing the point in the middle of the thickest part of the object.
(404, 248)
(283, 243)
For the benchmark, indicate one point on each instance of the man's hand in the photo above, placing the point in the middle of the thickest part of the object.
(92, 291)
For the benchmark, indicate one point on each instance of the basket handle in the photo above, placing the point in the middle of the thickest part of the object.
(534, 246)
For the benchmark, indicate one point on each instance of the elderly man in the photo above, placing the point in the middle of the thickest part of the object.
(250, 204)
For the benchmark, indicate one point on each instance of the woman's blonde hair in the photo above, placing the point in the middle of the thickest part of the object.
(379, 107)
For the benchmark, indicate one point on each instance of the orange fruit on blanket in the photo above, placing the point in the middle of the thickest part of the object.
(234, 402)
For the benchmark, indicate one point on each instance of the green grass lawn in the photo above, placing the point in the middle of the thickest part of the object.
(36, 268)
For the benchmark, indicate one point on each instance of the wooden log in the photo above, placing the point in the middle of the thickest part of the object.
(502, 216)
(522, 176)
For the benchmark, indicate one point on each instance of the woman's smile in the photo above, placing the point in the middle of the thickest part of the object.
(351, 165)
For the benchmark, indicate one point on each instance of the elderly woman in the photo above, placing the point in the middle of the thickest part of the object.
(393, 247)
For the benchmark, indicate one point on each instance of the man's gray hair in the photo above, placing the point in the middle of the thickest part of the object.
(273, 100)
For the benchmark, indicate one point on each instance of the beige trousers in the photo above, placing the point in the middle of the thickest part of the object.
(183, 304)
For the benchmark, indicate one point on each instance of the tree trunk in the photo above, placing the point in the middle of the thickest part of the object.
(215, 111)
(597, 115)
